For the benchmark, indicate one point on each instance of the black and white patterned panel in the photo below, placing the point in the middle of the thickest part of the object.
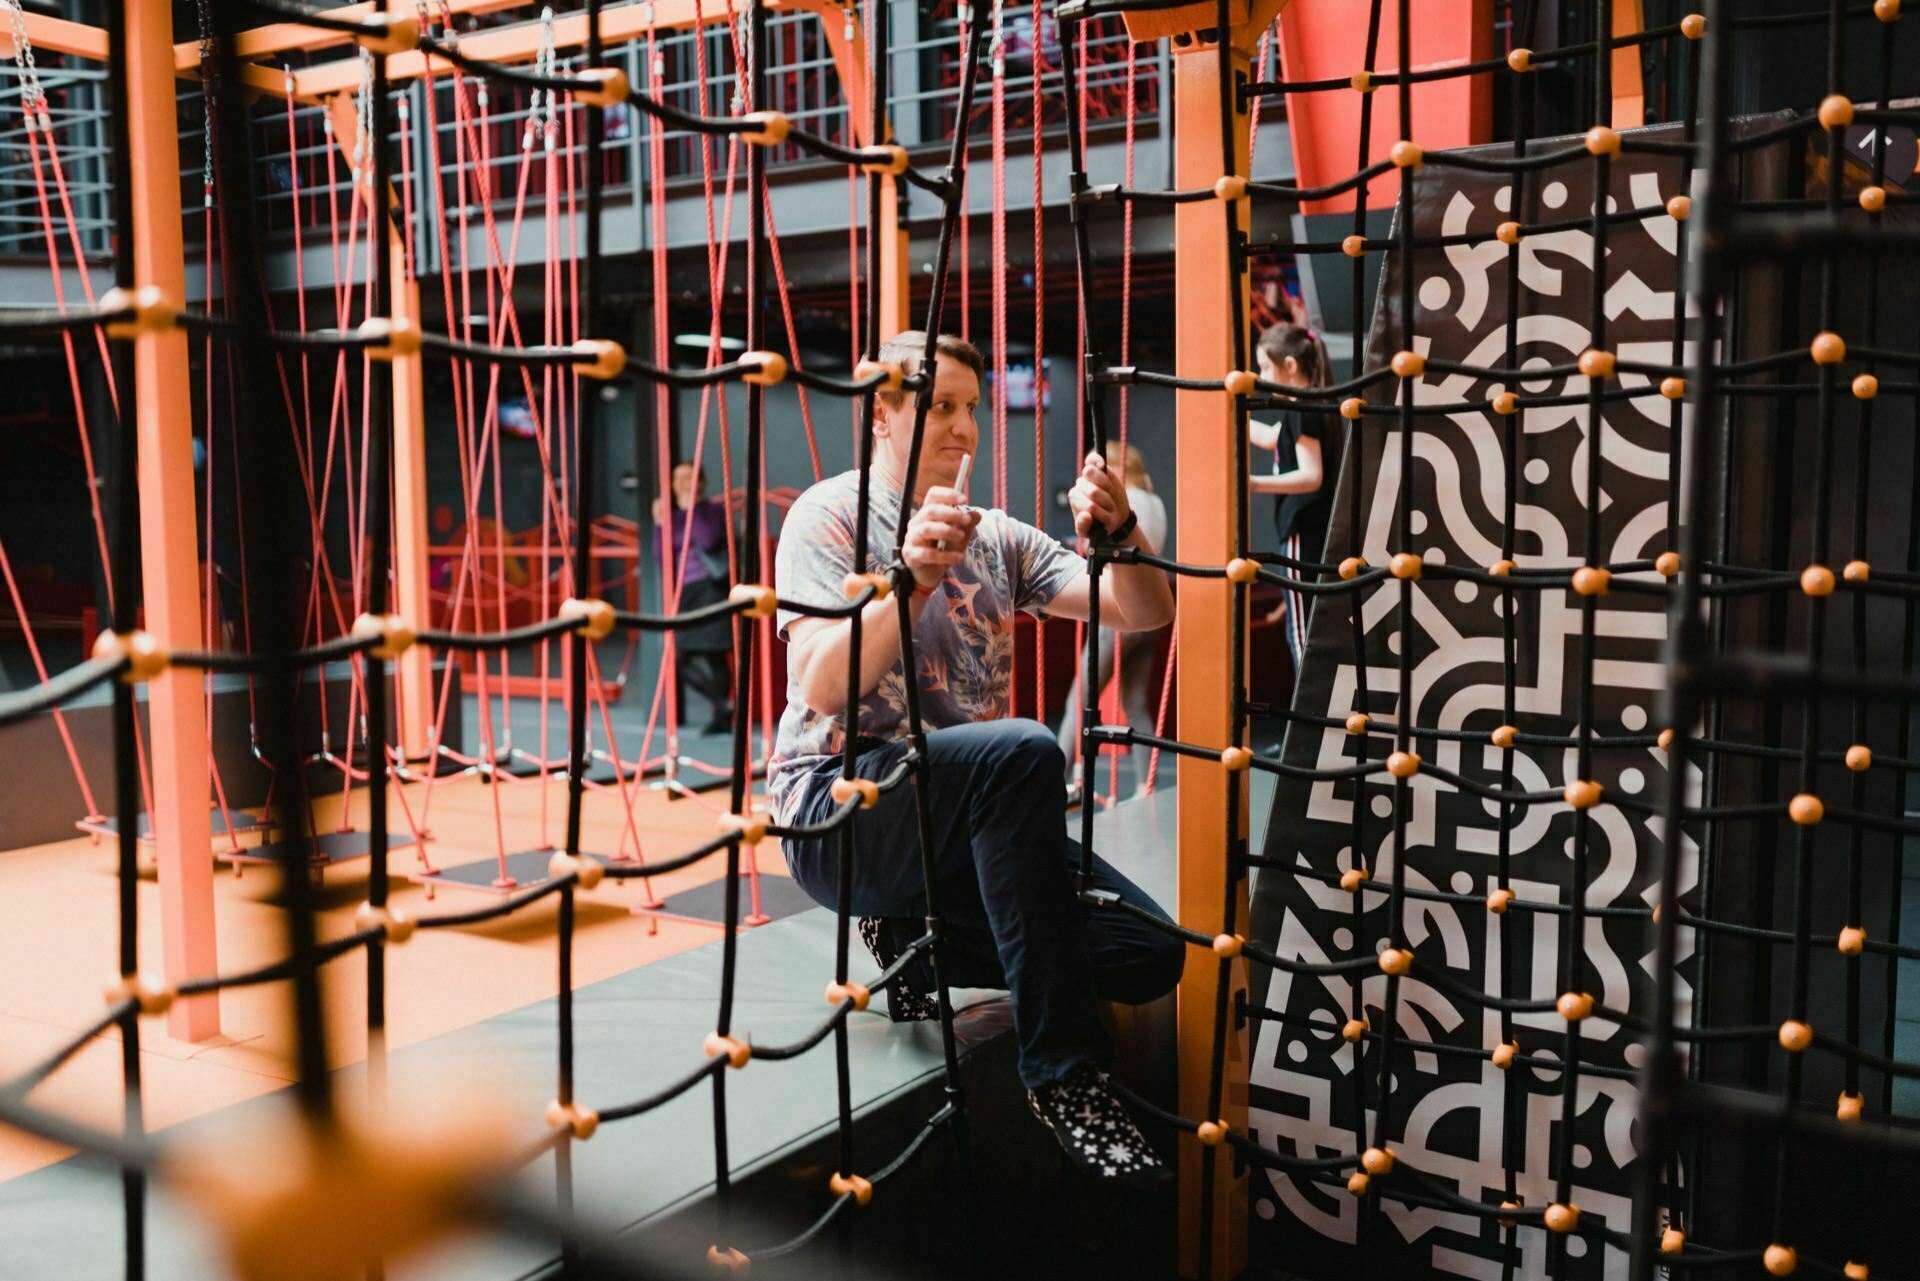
(1447, 1115)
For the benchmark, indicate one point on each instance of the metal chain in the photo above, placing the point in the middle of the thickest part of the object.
(998, 51)
(206, 99)
(31, 95)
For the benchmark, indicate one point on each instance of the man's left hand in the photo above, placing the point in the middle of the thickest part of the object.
(1098, 497)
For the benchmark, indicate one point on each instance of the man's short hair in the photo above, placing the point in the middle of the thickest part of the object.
(908, 350)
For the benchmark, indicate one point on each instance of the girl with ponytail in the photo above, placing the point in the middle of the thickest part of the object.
(1294, 355)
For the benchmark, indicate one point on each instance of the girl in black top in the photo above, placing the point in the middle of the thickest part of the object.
(1294, 355)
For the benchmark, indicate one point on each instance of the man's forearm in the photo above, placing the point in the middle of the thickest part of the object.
(879, 651)
(1140, 591)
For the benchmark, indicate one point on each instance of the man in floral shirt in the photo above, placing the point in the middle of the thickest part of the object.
(996, 785)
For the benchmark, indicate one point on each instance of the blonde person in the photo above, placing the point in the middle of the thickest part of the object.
(1138, 698)
(1001, 855)
(1294, 355)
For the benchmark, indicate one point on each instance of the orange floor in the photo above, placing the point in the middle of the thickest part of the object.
(58, 931)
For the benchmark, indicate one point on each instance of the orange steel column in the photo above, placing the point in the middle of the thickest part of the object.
(1206, 491)
(412, 596)
(169, 559)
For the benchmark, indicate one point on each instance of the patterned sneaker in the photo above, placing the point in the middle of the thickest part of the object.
(1093, 1129)
(907, 1002)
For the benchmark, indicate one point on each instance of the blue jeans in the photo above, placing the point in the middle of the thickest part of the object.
(1005, 870)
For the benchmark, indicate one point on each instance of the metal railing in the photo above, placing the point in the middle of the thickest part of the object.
(299, 158)
(30, 204)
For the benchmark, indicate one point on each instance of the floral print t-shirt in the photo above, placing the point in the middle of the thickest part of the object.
(963, 642)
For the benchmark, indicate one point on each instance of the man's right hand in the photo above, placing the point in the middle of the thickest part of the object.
(938, 535)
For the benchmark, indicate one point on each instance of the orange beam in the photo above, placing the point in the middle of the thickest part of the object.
(169, 559)
(1629, 86)
(618, 24)
(283, 37)
(1206, 490)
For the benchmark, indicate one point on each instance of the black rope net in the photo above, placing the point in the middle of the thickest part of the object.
(463, 1183)
(1765, 735)
(1386, 405)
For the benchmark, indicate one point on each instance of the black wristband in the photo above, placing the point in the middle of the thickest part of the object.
(1120, 535)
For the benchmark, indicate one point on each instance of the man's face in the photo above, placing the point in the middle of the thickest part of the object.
(951, 433)
(686, 484)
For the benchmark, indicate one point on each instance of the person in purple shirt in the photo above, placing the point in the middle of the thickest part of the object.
(702, 651)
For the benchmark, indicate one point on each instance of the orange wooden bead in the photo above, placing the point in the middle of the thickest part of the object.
(858, 993)
(1853, 941)
(1673, 388)
(599, 86)
(1361, 82)
(1501, 568)
(1409, 364)
(1859, 758)
(1673, 1241)
(737, 1052)
(1680, 208)
(582, 1122)
(1498, 900)
(1405, 155)
(1693, 26)
(395, 925)
(865, 790)
(751, 826)
(1403, 764)
(841, 1184)
(1228, 945)
(1848, 1108)
(1503, 1059)
(1795, 1035)
(1873, 199)
(761, 601)
(144, 657)
(1591, 580)
(1377, 1160)
(1396, 960)
(1806, 809)
(1836, 112)
(1352, 407)
(1240, 383)
(1597, 364)
(1520, 60)
(1243, 571)
(1602, 141)
(1504, 736)
(853, 584)
(1667, 564)
(728, 1260)
(1507, 233)
(763, 368)
(1856, 571)
(1816, 580)
(1358, 722)
(1780, 1260)
(1665, 740)
(1405, 565)
(1353, 1030)
(1510, 1205)
(1828, 349)
(1357, 1183)
(1210, 1133)
(1350, 567)
(1230, 187)
(1237, 760)
(586, 870)
(1574, 1006)
(389, 632)
(1354, 246)
(1865, 387)
(1855, 1271)
(1353, 878)
(1887, 10)
(1506, 403)
(1583, 793)
(1562, 1218)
